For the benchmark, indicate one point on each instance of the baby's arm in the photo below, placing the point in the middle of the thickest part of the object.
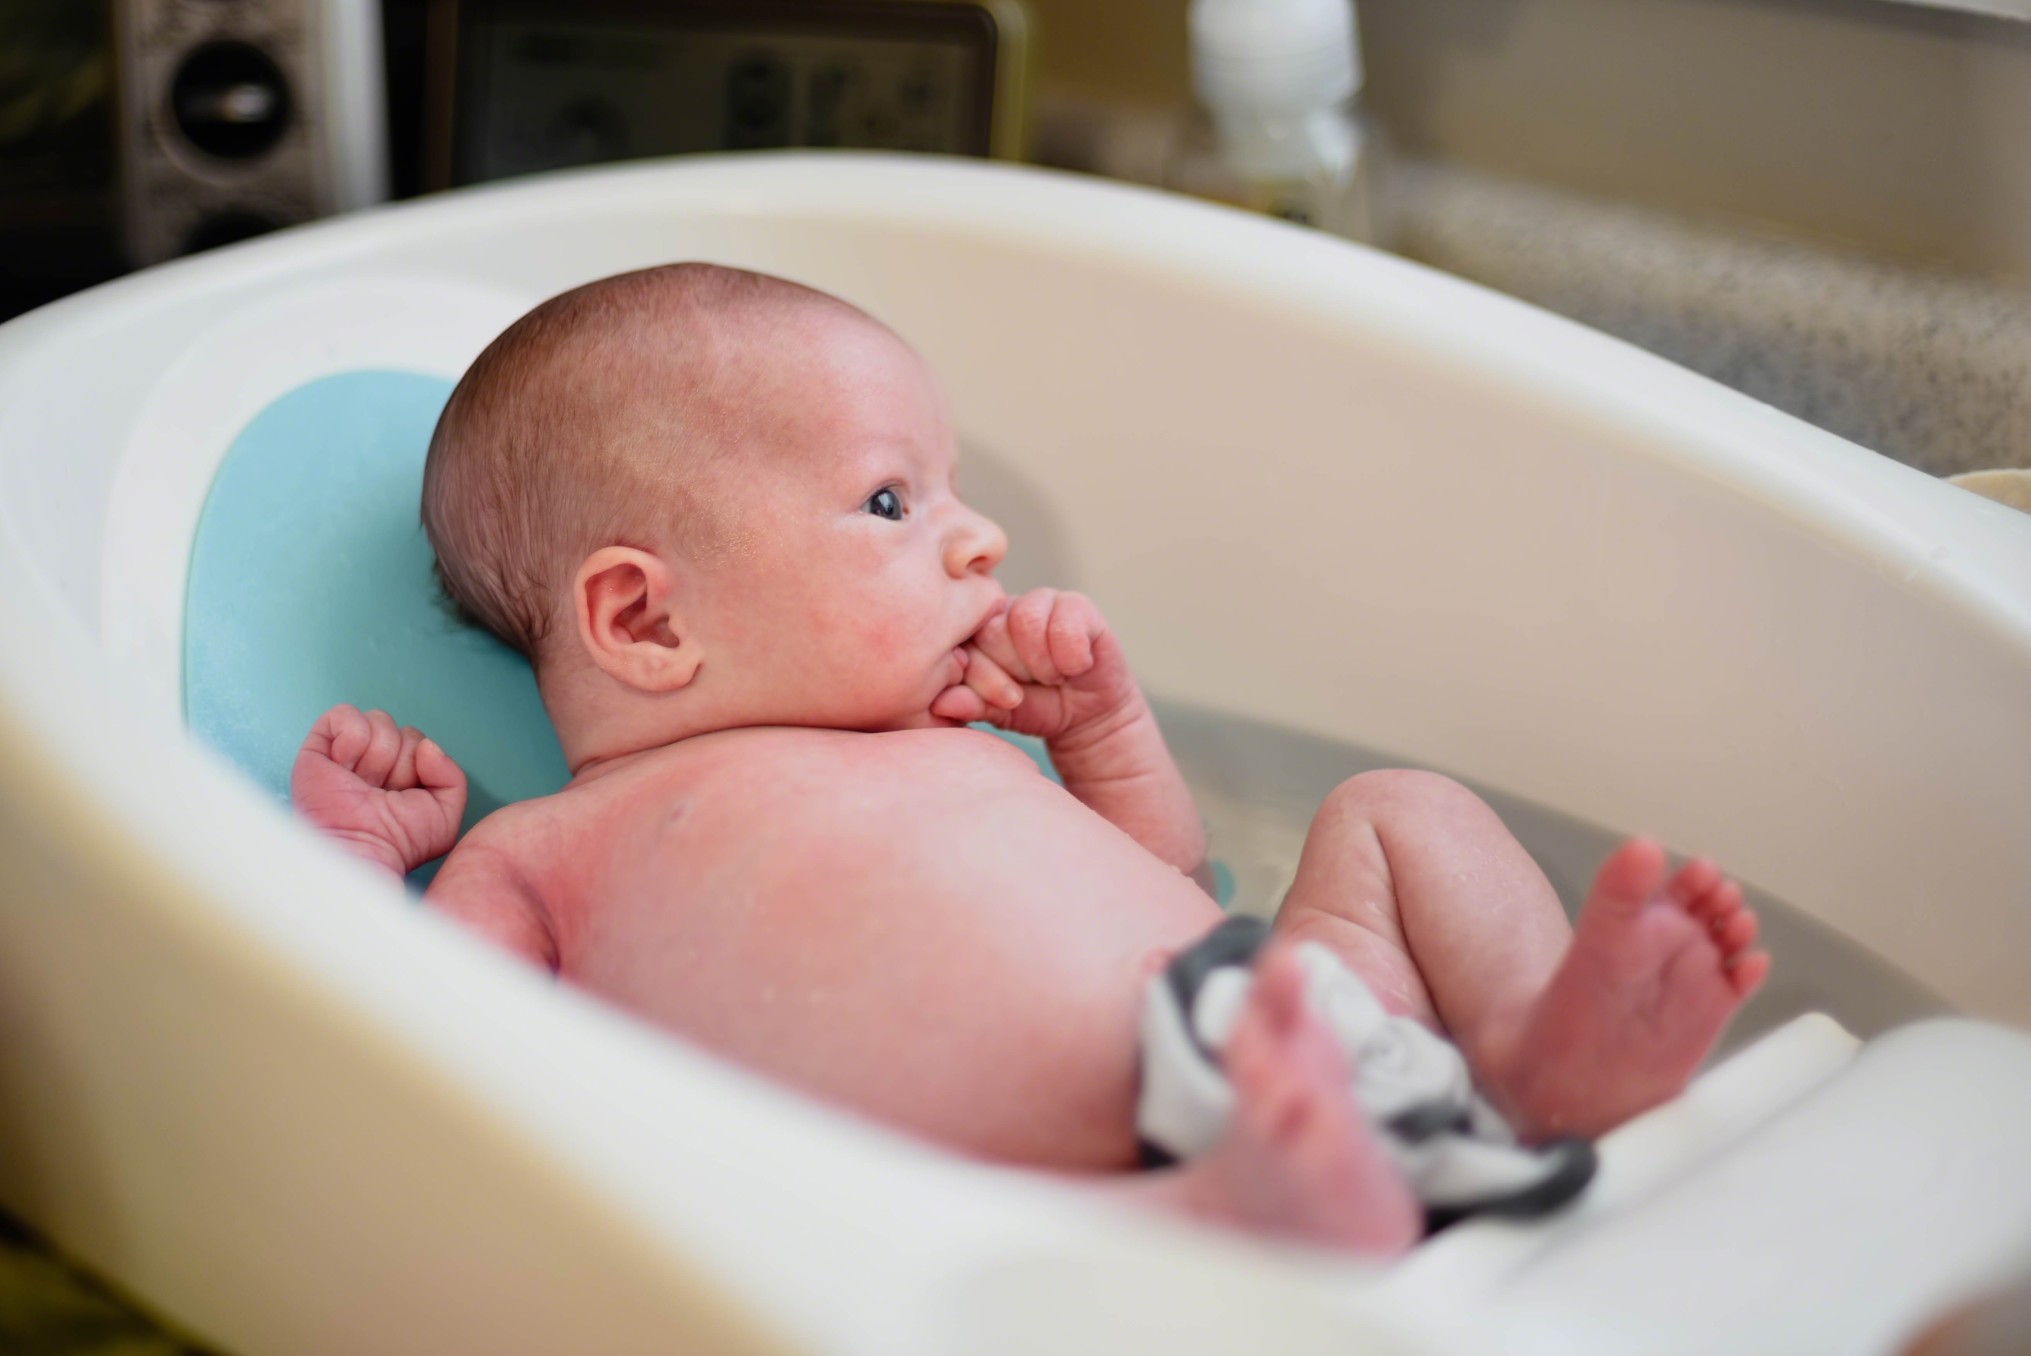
(394, 799)
(485, 890)
(1049, 665)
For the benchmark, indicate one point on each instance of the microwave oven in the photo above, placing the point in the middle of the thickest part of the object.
(518, 86)
(132, 131)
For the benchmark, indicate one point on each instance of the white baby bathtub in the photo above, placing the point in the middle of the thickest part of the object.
(1312, 484)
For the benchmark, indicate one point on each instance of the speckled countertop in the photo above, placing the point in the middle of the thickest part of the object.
(1931, 368)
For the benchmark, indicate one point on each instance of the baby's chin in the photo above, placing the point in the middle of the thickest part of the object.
(916, 714)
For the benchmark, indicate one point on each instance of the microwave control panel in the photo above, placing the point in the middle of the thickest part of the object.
(540, 86)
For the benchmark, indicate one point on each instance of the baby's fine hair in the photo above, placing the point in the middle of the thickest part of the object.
(585, 424)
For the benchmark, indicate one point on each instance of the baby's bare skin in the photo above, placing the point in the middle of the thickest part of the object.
(780, 842)
(916, 924)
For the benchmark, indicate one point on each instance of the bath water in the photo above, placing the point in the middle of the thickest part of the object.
(1258, 786)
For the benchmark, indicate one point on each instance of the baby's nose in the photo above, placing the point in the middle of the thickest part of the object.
(977, 546)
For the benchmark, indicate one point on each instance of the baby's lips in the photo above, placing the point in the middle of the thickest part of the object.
(1000, 608)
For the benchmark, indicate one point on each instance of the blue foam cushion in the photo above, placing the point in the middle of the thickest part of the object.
(310, 585)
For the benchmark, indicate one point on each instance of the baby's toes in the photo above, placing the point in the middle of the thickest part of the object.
(1735, 933)
(1278, 993)
(1276, 1039)
(1745, 973)
(1251, 1065)
(1724, 904)
(1280, 1092)
(1717, 910)
(1692, 886)
(1714, 907)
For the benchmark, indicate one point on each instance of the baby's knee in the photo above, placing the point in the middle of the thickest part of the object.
(1396, 793)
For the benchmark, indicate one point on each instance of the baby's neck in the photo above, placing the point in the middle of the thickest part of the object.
(601, 726)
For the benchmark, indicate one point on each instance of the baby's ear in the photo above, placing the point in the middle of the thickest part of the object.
(625, 601)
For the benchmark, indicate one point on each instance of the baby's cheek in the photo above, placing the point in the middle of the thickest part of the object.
(831, 624)
(890, 658)
(884, 633)
(897, 654)
(851, 645)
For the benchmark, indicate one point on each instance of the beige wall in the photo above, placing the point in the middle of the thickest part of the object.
(1900, 131)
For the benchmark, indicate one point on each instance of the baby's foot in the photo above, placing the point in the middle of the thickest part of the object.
(1298, 1160)
(1656, 969)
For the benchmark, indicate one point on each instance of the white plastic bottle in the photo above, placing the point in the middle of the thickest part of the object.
(1278, 128)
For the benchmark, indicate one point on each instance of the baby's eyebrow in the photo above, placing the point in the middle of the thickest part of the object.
(883, 460)
(886, 456)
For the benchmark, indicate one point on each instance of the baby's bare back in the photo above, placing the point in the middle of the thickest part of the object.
(915, 924)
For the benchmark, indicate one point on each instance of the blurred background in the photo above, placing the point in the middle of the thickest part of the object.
(1823, 203)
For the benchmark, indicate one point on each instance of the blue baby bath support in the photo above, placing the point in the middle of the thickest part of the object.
(245, 1080)
(310, 585)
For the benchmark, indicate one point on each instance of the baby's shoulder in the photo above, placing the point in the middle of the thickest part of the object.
(513, 837)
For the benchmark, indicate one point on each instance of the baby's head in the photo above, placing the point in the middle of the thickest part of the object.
(698, 497)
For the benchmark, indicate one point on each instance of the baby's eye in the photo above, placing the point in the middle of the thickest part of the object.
(885, 504)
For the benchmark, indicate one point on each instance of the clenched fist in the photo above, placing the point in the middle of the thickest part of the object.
(387, 793)
(1047, 665)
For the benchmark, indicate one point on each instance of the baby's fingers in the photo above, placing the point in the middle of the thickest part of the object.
(992, 640)
(435, 771)
(1029, 621)
(962, 704)
(341, 734)
(1074, 625)
(384, 746)
(991, 681)
(442, 779)
(403, 775)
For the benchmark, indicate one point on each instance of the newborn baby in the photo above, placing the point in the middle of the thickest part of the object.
(720, 514)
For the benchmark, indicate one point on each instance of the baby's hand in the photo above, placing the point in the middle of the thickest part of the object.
(1047, 665)
(388, 794)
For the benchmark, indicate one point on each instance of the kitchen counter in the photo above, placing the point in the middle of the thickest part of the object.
(1932, 368)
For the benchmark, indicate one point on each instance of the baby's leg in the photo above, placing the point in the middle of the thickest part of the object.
(1417, 886)
(1297, 1160)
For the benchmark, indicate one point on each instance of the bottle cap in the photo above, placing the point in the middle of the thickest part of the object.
(1274, 54)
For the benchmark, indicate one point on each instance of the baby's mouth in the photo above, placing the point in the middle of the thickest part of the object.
(1000, 606)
